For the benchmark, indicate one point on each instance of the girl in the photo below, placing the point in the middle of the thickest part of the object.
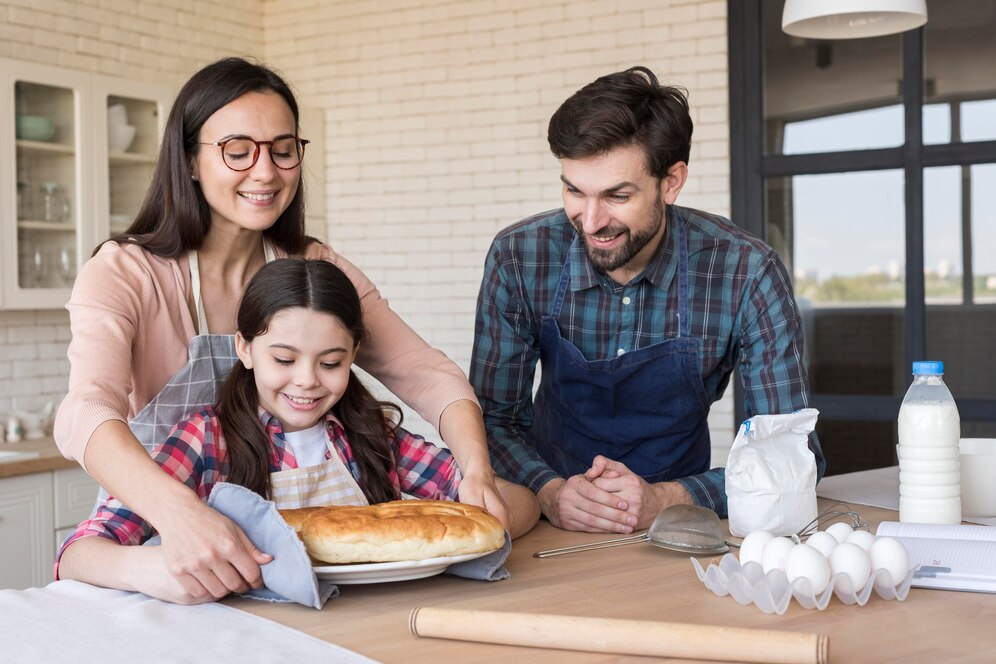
(293, 424)
(153, 314)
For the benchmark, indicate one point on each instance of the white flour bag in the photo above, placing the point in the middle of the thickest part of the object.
(771, 474)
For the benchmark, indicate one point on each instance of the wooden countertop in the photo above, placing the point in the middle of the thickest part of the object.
(49, 458)
(639, 582)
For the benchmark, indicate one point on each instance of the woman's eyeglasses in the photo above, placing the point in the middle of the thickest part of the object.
(240, 154)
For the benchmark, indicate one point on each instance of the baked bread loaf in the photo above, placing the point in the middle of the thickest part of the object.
(396, 530)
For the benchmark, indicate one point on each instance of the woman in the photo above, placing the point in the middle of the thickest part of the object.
(153, 314)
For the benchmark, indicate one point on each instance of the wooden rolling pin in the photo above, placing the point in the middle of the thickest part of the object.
(623, 637)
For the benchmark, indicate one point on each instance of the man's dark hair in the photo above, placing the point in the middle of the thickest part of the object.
(625, 108)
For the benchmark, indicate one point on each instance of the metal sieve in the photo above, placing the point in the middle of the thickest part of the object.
(685, 528)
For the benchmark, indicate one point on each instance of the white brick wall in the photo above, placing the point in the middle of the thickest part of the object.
(435, 114)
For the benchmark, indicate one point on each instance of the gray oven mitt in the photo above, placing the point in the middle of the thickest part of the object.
(289, 577)
(486, 568)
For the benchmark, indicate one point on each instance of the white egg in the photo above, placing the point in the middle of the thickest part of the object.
(862, 538)
(852, 561)
(805, 562)
(775, 553)
(823, 542)
(889, 554)
(752, 548)
(840, 531)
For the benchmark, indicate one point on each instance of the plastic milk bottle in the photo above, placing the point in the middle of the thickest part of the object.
(929, 432)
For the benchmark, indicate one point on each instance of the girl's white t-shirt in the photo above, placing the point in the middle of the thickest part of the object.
(309, 445)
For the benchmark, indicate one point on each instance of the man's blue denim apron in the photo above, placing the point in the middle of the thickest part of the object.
(646, 408)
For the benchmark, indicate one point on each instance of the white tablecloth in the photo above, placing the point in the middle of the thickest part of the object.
(73, 622)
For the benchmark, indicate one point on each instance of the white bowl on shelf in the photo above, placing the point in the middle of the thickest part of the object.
(117, 115)
(120, 137)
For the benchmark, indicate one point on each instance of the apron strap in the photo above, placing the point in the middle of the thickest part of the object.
(684, 325)
(269, 255)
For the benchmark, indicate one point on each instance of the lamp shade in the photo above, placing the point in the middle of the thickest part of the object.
(851, 19)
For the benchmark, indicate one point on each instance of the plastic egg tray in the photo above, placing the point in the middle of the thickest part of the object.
(772, 592)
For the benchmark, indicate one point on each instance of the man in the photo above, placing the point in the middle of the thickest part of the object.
(637, 310)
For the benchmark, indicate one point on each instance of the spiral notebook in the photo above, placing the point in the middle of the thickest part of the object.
(948, 557)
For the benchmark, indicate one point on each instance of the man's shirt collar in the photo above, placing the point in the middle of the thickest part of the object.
(659, 272)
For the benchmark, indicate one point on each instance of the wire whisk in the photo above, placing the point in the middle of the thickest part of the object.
(836, 512)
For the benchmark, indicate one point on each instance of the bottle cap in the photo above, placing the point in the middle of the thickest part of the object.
(928, 368)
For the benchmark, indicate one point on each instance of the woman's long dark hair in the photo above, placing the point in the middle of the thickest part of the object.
(175, 217)
(320, 286)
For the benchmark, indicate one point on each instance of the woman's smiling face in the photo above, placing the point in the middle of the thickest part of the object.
(255, 198)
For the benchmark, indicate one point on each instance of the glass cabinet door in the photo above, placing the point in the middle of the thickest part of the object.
(133, 117)
(132, 130)
(76, 157)
(48, 196)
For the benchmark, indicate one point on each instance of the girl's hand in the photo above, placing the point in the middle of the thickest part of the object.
(153, 579)
(207, 554)
(478, 488)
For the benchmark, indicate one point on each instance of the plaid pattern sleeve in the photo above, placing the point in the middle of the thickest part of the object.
(425, 470)
(190, 455)
(770, 366)
(506, 347)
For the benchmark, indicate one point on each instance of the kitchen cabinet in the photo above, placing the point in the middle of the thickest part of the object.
(37, 512)
(78, 153)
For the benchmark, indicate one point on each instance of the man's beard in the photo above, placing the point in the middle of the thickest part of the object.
(605, 261)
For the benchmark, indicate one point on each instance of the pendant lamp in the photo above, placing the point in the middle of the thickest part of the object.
(851, 19)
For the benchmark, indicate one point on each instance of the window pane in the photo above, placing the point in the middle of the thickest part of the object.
(936, 124)
(960, 330)
(978, 120)
(877, 127)
(974, 121)
(960, 203)
(850, 445)
(978, 429)
(841, 234)
(983, 211)
(959, 52)
(942, 234)
(842, 237)
(856, 82)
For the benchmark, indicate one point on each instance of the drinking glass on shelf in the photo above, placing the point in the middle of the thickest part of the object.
(22, 200)
(55, 205)
(66, 265)
(37, 267)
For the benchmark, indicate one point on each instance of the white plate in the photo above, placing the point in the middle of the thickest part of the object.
(404, 570)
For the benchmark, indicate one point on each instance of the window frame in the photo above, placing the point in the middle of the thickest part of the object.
(750, 167)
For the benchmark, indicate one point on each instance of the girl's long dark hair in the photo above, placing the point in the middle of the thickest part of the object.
(320, 286)
(175, 216)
